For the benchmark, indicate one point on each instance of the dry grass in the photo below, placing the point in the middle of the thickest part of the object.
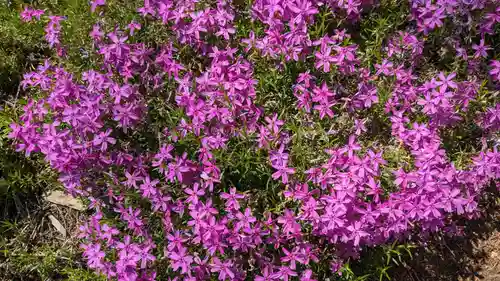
(31, 248)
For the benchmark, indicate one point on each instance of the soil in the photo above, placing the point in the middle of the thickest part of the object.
(490, 267)
(473, 256)
(34, 235)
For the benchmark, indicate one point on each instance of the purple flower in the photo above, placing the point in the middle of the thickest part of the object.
(194, 194)
(481, 49)
(94, 254)
(446, 81)
(307, 276)
(385, 67)
(435, 20)
(223, 268)
(267, 275)
(148, 187)
(53, 30)
(285, 273)
(357, 233)
(95, 3)
(495, 70)
(283, 172)
(90, 129)
(133, 26)
(292, 257)
(232, 198)
(181, 260)
(274, 124)
(96, 33)
(323, 59)
(103, 139)
(28, 13)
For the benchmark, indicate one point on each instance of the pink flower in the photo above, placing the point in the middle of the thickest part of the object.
(95, 3)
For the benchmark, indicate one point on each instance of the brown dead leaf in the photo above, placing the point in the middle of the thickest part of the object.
(61, 198)
(57, 225)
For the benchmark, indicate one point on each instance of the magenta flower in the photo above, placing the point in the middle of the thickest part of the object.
(223, 268)
(95, 3)
(103, 139)
(267, 275)
(274, 124)
(481, 49)
(323, 59)
(194, 194)
(384, 68)
(94, 255)
(307, 276)
(283, 172)
(181, 260)
(446, 81)
(96, 32)
(292, 257)
(133, 26)
(232, 198)
(28, 13)
(495, 70)
(96, 130)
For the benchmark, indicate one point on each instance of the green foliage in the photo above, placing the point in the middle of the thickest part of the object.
(21, 259)
(384, 20)
(22, 181)
(376, 263)
(20, 178)
(20, 47)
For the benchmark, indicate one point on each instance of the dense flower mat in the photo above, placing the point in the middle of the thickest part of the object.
(266, 139)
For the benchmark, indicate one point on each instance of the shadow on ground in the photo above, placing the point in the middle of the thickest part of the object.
(473, 256)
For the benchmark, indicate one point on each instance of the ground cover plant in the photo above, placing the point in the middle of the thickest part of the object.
(266, 139)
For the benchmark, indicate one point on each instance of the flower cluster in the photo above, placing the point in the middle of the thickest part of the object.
(495, 70)
(169, 209)
(53, 30)
(28, 13)
(191, 21)
(431, 15)
(491, 119)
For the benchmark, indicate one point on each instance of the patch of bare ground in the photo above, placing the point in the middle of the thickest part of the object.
(39, 241)
(473, 256)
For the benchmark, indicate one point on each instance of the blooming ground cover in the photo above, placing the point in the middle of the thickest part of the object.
(265, 139)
